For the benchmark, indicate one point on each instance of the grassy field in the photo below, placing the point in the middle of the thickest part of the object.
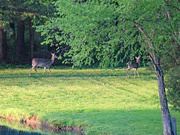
(97, 100)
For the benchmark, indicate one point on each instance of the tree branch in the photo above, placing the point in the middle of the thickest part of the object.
(145, 35)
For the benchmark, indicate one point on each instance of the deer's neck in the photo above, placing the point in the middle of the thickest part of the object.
(137, 61)
(52, 58)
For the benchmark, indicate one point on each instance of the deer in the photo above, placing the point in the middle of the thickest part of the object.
(46, 63)
(133, 65)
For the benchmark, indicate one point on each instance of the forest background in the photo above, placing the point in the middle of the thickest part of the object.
(102, 33)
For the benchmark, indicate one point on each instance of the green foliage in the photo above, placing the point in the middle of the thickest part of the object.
(91, 31)
(151, 16)
(171, 66)
(173, 86)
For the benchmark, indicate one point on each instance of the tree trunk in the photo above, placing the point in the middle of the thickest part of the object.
(31, 35)
(20, 47)
(166, 118)
(3, 45)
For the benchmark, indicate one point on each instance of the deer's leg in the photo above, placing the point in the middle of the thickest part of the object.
(49, 70)
(137, 73)
(36, 70)
(128, 73)
(31, 70)
(44, 70)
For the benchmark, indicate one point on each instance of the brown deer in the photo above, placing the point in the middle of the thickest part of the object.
(46, 63)
(133, 65)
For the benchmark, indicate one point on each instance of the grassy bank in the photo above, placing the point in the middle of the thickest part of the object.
(97, 100)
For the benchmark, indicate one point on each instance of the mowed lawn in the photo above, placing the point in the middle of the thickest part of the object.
(99, 101)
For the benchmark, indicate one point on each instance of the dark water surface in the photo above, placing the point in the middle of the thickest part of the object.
(4, 130)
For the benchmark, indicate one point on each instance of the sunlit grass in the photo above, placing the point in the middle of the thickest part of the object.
(102, 99)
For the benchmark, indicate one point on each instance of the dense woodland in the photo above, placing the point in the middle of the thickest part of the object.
(103, 32)
(19, 42)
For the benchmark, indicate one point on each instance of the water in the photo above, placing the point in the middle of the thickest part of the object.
(26, 129)
(4, 130)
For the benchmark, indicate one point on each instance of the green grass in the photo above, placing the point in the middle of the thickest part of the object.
(97, 100)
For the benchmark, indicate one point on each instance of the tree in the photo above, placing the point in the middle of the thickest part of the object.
(31, 35)
(3, 45)
(16, 13)
(157, 21)
(3, 39)
(110, 31)
(20, 46)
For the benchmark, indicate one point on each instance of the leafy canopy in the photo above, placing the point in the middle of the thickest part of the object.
(107, 32)
(92, 31)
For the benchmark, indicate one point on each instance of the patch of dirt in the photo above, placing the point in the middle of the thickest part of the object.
(31, 122)
(34, 123)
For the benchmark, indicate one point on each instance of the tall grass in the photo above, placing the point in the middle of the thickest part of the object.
(97, 100)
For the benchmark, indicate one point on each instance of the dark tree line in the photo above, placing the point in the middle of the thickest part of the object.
(17, 34)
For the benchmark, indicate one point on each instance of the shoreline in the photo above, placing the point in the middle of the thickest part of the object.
(33, 123)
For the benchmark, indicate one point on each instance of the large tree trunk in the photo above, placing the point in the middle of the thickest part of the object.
(3, 45)
(20, 47)
(31, 34)
(166, 117)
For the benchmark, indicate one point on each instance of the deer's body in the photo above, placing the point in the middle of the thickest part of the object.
(133, 65)
(46, 63)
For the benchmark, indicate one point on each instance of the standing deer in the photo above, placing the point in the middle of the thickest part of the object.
(46, 63)
(133, 65)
